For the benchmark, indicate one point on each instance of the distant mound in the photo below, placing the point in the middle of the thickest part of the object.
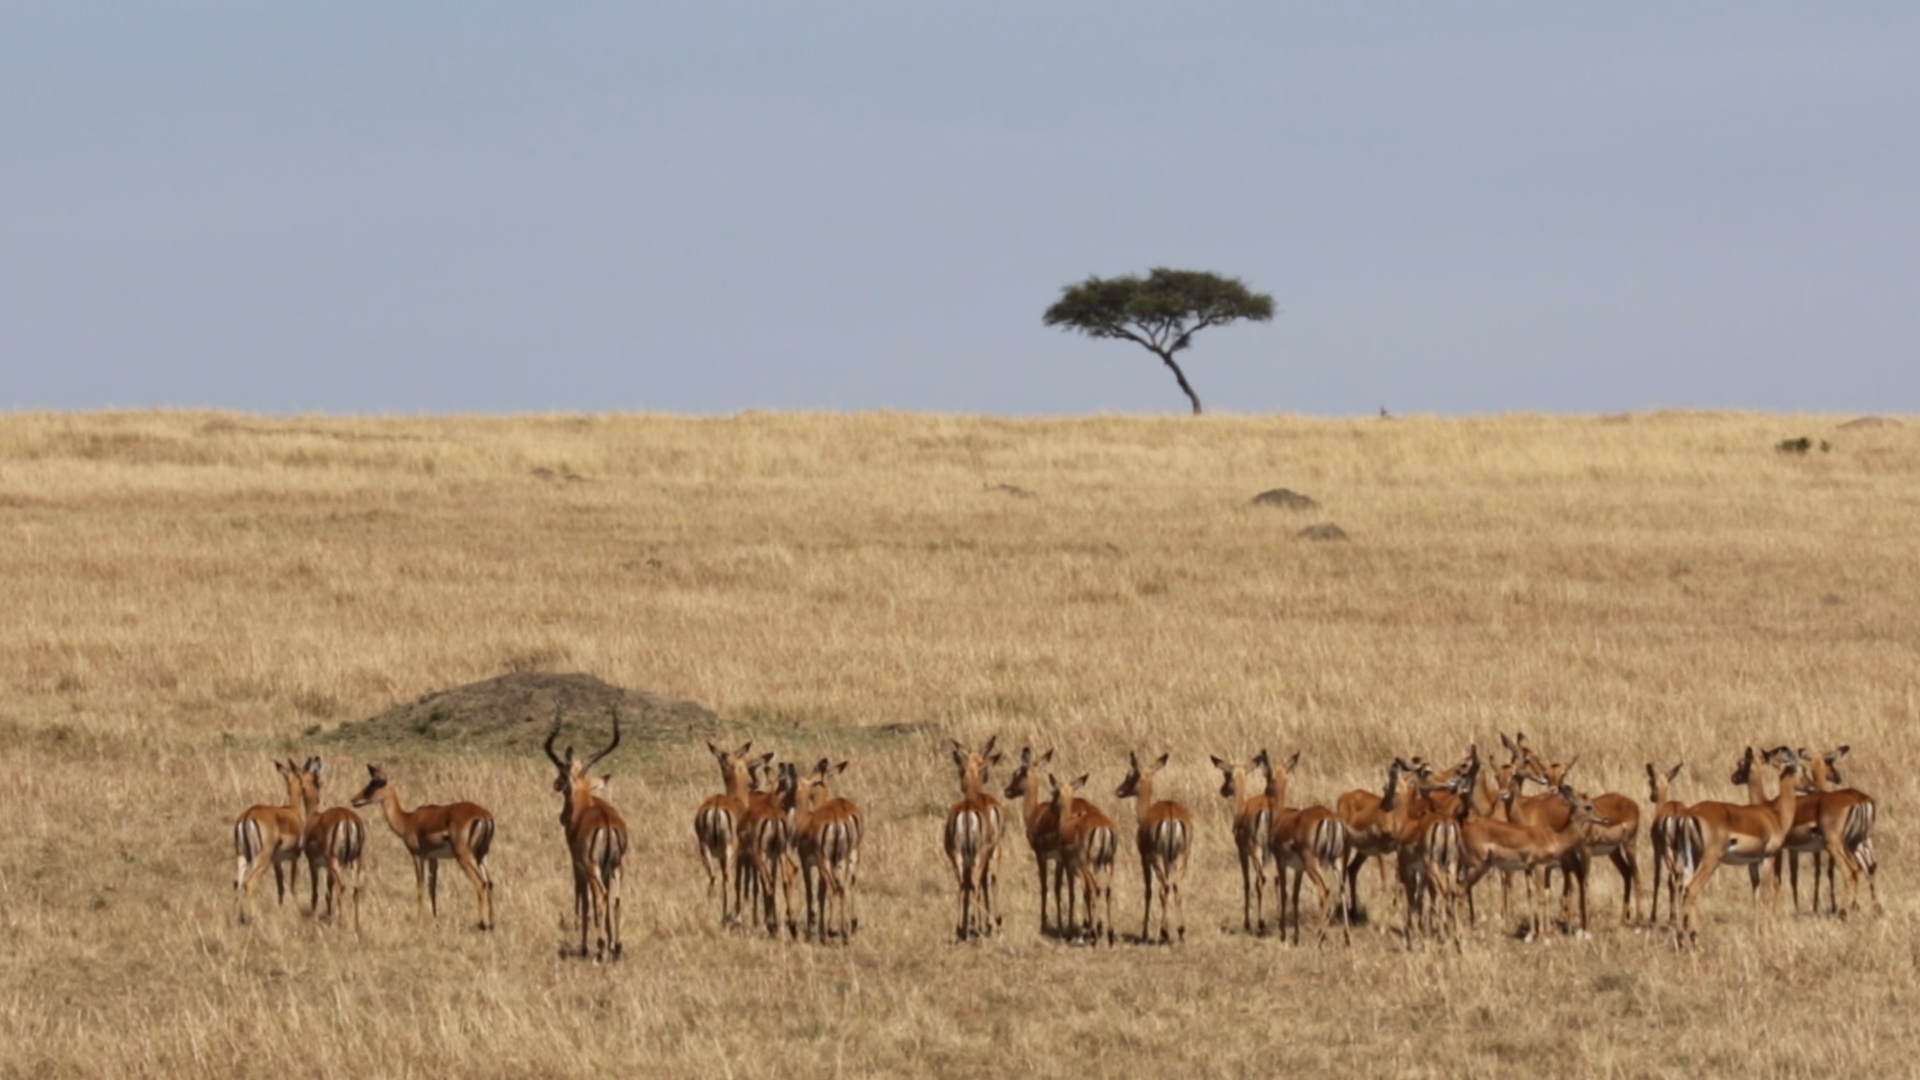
(1285, 499)
(514, 712)
(1326, 530)
(1869, 422)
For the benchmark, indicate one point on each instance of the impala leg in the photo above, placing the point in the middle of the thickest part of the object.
(482, 884)
(422, 875)
(1246, 892)
(1836, 852)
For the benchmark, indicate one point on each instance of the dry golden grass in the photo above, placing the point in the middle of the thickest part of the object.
(188, 594)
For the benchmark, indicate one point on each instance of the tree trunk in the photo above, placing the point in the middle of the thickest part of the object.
(1181, 378)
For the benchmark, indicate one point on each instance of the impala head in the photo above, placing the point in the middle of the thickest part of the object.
(1063, 793)
(376, 782)
(1783, 758)
(814, 784)
(757, 769)
(1824, 769)
(1233, 776)
(1583, 809)
(1659, 784)
(572, 772)
(1743, 771)
(974, 765)
(1136, 775)
(733, 763)
(1022, 780)
(786, 785)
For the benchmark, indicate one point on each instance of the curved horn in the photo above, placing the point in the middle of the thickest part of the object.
(610, 746)
(552, 735)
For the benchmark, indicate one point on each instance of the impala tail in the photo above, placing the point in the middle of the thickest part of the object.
(1857, 834)
(480, 836)
(1329, 842)
(1687, 845)
(247, 845)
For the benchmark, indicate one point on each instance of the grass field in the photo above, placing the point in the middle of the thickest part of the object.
(185, 596)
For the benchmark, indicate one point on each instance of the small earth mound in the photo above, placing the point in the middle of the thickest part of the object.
(513, 714)
(1326, 530)
(1286, 499)
(1868, 422)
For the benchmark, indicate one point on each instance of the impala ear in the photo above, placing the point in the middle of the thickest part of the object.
(1674, 773)
(1291, 762)
(1053, 784)
(1219, 764)
(840, 768)
(1162, 763)
(1047, 758)
(714, 750)
(1837, 753)
(745, 749)
(1082, 781)
(1568, 767)
(989, 751)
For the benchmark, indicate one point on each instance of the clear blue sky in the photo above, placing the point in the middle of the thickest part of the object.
(1458, 207)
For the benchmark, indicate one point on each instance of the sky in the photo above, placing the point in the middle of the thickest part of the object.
(1458, 208)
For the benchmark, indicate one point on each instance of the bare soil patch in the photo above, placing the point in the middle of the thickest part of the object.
(1868, 422)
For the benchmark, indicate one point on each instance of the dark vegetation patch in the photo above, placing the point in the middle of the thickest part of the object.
(1286, 499)
(1801, 445)
(1014, 490)
(512, 714)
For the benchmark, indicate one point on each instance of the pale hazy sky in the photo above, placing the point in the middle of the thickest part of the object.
(1458, 207)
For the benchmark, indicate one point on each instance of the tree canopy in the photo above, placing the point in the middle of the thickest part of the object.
(1160, 312)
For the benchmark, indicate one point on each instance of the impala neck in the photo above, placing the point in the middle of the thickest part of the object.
(390, 805)
(738, 784)
(1029, 797)
(1783, 803)
(1143, 793)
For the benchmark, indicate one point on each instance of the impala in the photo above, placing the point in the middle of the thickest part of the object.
(1252, 822)
(1311, 842)
(1043, 831)
(334, 842)
(1090, 845)
(829, 831)
(596, 841)
(716, 827)
(1373, 825)
(269, 836)
(1430, 855)
(1835, 826)
(1164, 835)
(767, 839)
(462, 832)
(1488, 844)
(1662, 834)
(971, 840)
(1619, 841)
(1743, 835)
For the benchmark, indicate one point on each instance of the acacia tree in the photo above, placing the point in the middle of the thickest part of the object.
(1160, 312)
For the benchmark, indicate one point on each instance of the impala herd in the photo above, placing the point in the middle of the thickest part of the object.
(1441, 832)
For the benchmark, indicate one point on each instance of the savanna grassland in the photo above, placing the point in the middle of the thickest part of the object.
(185, 596)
